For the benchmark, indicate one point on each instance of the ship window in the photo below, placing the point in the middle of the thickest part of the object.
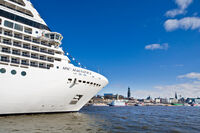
(23, 73)
(57, 59)
(52, 36)
(91, 83)
(13, 72)
(8, 24)
(84, 81)
(2, 70)
(79, 81)
(70, 80)
(18, 27)
(88, 82)
(28, 30)
(57, 37)
(22, 20)
(47, 35)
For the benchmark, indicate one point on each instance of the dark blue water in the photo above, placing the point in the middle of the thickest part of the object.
(108, 120)
(147, 119)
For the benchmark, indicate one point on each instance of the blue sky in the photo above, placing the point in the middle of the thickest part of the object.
(153, 46)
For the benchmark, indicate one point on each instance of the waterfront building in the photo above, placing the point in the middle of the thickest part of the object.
(157, 100)
(173, 100)
(129, 93)
(193, 100)
(176, 97)
(108, 96)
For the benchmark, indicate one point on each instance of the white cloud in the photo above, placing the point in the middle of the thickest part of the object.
(191, 75)
(182, 5)
(184, 23)
(164, 46)
(187, 89)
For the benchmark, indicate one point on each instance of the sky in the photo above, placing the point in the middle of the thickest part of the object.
(152, 46)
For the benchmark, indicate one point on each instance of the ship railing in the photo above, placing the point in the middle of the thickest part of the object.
(23, 63)
(25, 55)
(35, 49)
(17, 36)
(5, 60)
(7, 42)
(34, 65)
(16, 53)
(15, 62)
(34, 57)
(8, 34)
(5, 51)
(26, 47)
(17, 44)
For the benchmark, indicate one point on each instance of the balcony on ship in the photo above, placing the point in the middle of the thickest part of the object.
(16, 52)
(42, 65)
(28, 30)
(25, 54)
(5, 59)
(50, 59)
(15, 61)
(17, 44)
(19, 36)
(35, 48)
(36, 41)
(6, 50)
(51, 52)
(26, 46)
(8, 33)
(24, 62)
(34, 64)
(43, 58)
(43, 50)
(34, 56)
(7, 41)
(27, 38)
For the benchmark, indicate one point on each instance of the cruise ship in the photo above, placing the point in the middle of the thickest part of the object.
(36, 76)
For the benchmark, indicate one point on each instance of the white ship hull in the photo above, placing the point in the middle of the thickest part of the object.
(43, 91)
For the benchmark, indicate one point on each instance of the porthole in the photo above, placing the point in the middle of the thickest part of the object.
(23, 73)
(84, 81)
(88, 82)
(2, 70)
(13, 72)
(79, 81)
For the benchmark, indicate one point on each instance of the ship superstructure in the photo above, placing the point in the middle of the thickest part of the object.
(35, 74)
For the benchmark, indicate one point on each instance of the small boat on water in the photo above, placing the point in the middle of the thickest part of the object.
(117, 103)
(196, 105)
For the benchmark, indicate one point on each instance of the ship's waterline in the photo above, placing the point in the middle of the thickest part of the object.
(35, 74)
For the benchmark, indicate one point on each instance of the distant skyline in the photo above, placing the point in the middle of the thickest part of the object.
(153, 46)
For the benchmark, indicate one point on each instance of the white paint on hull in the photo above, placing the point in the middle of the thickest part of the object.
(43, 90)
